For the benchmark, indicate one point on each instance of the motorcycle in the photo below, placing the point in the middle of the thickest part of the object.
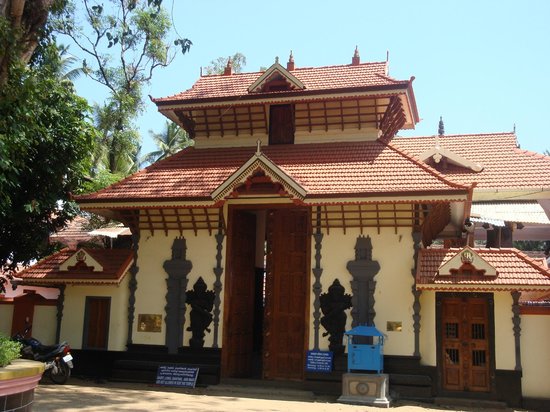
(57, 359)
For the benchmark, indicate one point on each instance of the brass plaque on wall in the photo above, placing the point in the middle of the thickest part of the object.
(149, 323)
(394, 326)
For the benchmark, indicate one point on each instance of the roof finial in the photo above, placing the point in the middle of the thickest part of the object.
(229, 68)
(514, 131)
(441, 129)
(277, 59)
(290, 63)
(258, 147)
(356, 60)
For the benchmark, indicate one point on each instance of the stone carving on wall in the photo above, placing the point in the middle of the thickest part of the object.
(363, 270)
(333, 305)
(177, 268)
(201, 301)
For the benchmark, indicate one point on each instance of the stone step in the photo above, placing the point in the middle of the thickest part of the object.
(486, 405)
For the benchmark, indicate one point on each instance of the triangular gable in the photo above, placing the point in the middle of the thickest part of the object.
(437, 153)
(81, 260)
(258, 165)
(276, 73)
(467, 261)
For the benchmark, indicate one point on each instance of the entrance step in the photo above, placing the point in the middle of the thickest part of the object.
(486, 405)
(265, 389)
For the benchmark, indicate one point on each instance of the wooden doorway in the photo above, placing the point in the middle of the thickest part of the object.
(280, 300)
(96, 323)
(466, 336)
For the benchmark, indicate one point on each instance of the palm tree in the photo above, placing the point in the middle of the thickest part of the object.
(170, 141)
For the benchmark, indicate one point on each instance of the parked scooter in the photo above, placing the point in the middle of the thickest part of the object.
(57, 359)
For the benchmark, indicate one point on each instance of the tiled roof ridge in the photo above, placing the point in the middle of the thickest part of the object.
(174, 157)
(425, 166)
(531, 153)
(297, 69)
(501, 250)
(389, 78)
(433, 136)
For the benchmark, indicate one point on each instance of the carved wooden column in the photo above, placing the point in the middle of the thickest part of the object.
(317, 286)
(363, 270)
(516, 320)
(60, 306)
(218, 271)
(417, 238)
(132, 285)
(177, 268)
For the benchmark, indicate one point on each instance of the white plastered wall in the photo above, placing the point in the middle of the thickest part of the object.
(6, 316)
(535, 356)
(153, 251)
(44, 324)
(505, 353)
(72, 325)
(428, 346)
(393, 297)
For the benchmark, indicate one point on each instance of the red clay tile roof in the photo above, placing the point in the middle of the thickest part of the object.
(115, 262)
(330, 169)
(504, 165)
(325, 78)
(516, 271)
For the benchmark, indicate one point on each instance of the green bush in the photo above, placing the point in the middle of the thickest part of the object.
(9, 350)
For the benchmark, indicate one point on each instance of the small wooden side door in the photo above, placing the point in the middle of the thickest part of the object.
(465, 344)
(286, 294)
(238, 337)
(96, 323)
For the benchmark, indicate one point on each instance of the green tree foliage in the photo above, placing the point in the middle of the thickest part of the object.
(45, 141)
(238, 61)
(124, 42)
(9, 350)
(170, 141)
(533, 245)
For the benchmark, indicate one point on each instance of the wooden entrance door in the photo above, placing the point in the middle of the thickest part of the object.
(239, 338)
(465, 344)
(286, 294)
(96, 322)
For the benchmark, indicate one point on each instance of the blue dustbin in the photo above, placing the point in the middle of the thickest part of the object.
(365, 356)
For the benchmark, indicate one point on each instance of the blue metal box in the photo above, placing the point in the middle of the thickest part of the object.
(365, 356)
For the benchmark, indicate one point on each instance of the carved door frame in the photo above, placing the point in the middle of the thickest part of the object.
(228, 286)
(463, 345)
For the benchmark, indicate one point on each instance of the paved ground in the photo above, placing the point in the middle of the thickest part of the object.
(82, 395)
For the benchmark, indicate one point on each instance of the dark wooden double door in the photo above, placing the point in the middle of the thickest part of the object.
(265, 320)
(465, 350)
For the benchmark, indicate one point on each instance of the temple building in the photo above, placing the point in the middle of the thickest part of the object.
(298, 215)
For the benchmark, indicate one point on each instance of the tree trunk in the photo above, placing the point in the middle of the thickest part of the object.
(27, 18)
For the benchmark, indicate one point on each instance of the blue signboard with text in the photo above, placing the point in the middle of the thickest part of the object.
(319, 361)
(177, 375)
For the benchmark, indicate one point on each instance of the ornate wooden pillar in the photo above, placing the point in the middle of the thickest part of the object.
(218, 271)
(317, 286)
(59, 315)
(417, 238)
(132, 285)
(177, 268)
(363, 270)
(516, 320)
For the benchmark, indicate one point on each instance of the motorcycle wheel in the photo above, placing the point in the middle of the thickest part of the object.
(60, 373)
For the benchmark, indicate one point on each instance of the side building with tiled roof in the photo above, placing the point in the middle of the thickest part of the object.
(297, 216)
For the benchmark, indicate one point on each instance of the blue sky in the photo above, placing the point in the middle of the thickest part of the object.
(482, 65)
